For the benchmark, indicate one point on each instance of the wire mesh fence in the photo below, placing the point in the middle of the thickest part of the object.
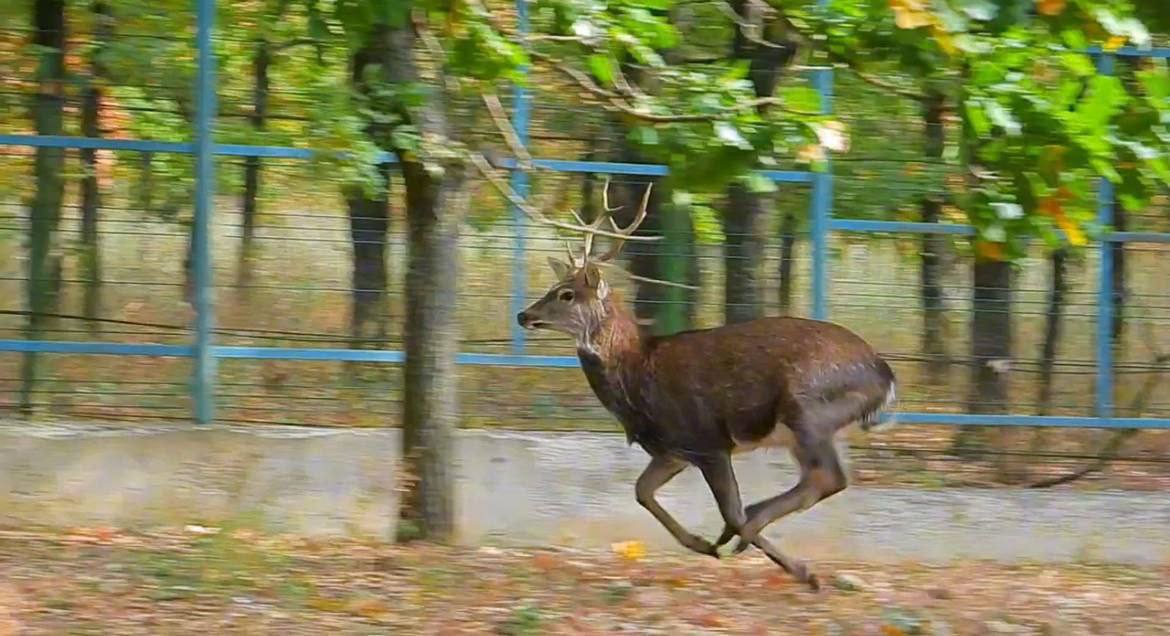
(308, 309)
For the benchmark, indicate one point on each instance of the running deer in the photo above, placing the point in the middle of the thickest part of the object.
(698, 397)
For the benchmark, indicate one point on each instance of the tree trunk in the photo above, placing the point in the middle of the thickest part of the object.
(933, 343)
(261, 60)
(45, 214)
(91, 105)
(369, 224)
(435, 205)
(146, 181)
(743, 251)
(369, 216)
(991, 336)
(430, 402)
(787, 259)
(746, 214)
(1117, 253)
(673, 258)
(1058, 286)
(991, 353)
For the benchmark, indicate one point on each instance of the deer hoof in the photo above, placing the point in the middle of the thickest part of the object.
(702, 546)
(725, 538)
(813, 582)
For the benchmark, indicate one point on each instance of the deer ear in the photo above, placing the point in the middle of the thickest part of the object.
(592, 276)
(560, 269)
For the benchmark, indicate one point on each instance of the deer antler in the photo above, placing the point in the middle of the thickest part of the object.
(485, 168)
(590, 230)
(629, 230)
(620, 234)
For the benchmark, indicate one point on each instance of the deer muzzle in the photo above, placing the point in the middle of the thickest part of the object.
(528, 321)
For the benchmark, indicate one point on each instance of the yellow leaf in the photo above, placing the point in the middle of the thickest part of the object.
(1051, 7)
(1076, 237)
(325, 604)
(944, 39)
(811, 153)
(989, 251)
(367, 607)
(1114, 43)
(1051, 206)
(910, 14)
(629, 550)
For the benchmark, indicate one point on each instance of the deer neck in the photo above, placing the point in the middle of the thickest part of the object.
(615, 364)
(616, 339)
(613, 357)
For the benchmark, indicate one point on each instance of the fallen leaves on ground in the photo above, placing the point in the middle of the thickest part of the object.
(237, 582)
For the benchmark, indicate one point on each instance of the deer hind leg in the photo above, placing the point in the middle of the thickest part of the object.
(822, 476)
(661, 470)
(720, 476)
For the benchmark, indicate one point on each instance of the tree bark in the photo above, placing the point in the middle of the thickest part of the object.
(991, 352)
(369, 218)
(430, 401)
(1058, 286)
(787, 259)
(671, 309)
(49, 164)
(933, 307)
(1117, 253)
(261, 60)
(743, 251)
(91, 103)
(435, 205)
(991, 335)
(746, 213)
(369, 224)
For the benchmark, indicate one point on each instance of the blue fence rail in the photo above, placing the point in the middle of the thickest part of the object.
(205, 352)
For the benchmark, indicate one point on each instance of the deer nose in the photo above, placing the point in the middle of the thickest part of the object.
(522, 318)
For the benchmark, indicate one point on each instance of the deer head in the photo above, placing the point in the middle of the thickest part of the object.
(576, 304)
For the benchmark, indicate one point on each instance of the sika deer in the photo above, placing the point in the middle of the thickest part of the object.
(698, 397)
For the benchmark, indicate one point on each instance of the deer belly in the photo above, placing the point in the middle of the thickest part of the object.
(780, 437)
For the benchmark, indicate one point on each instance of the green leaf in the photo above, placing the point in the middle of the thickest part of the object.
(1003, 118)
(982, 10)
(1078, 63)
(977, 118)
(602, 67)
(759, 184)
(645, 135)
(1105, 97)
(730, 135)
(802, 98)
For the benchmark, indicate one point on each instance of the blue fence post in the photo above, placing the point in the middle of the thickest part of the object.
(520, 116)
(203, 389)
(1104, 401)
(821, 209)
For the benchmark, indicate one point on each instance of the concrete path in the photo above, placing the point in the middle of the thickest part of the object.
(530, 489)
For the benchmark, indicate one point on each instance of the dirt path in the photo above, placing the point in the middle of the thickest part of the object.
(236, 582)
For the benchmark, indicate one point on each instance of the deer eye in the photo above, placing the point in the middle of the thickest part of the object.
(566, 296)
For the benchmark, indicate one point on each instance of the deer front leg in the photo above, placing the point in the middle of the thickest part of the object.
(720, 476)
(662, 469)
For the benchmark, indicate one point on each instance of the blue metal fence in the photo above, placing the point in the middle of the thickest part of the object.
(205, 352)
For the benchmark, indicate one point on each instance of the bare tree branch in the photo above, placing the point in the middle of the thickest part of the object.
(507, 131)
(616, 101)
(751, 30)
(485, 168)
(644, 279)
(882, 84)
(1109, 450)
